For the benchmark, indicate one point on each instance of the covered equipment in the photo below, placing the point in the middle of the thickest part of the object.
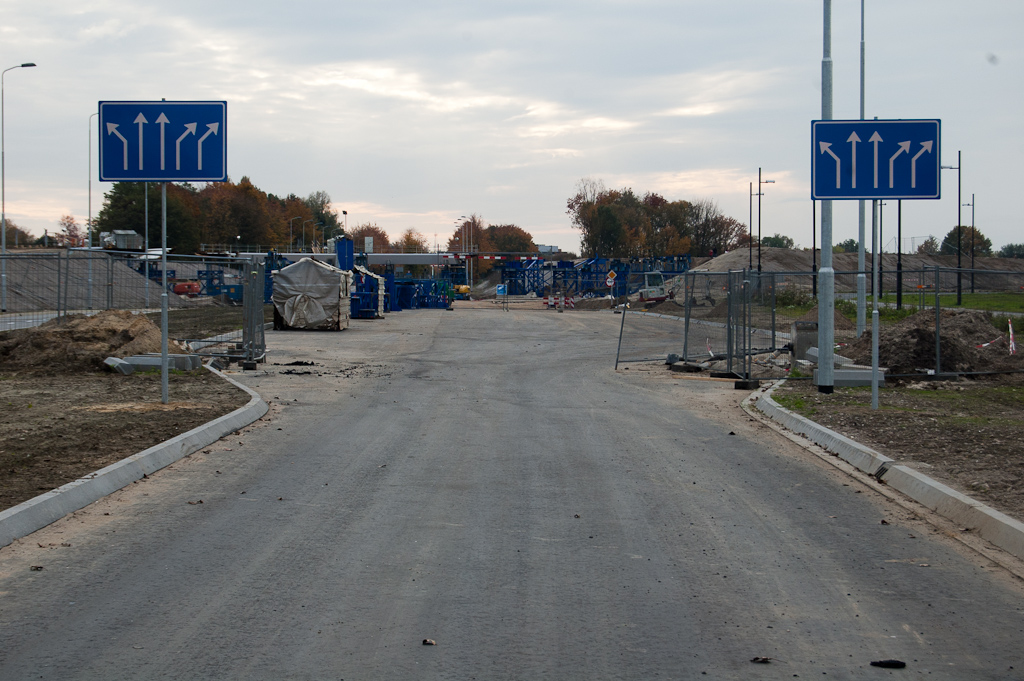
(311, 295)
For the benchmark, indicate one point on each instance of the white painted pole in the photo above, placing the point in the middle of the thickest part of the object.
(826, 301)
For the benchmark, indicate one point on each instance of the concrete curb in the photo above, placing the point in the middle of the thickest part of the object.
(998, 528)
(34, 514)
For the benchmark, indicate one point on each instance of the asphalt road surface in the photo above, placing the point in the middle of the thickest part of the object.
(486, 480)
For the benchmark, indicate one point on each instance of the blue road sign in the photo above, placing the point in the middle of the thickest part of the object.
(892, 159)
(163, 141)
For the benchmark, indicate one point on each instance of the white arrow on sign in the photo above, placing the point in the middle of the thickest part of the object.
(876, 138)
(190, 129)
(213, 127)
(826, 147)
(925, 146)
(853, 139)
(904, 148)
(141, 120)
(112, 130)
(162, 120)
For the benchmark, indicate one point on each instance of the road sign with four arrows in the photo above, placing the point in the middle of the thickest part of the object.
(891, 159)
(163, 141)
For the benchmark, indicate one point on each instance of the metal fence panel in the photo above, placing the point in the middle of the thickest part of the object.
(206, 296)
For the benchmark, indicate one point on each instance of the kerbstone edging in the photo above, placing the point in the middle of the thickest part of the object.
(998, 528)
(850, 451)
(34, 514)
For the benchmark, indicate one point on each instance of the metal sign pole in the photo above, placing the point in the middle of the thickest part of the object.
(163, 296)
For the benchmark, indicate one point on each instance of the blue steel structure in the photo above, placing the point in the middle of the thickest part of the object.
(586, 278)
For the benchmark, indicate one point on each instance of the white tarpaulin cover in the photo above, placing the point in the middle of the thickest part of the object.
(312, 295)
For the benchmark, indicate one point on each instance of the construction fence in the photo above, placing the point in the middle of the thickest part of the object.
(745, 323)
(215, 305)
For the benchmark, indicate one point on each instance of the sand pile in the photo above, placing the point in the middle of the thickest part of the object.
(908, 346)
(79, 342)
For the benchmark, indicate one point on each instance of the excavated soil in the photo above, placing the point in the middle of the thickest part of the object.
(62, 419)
(968, 343)
(79, 342)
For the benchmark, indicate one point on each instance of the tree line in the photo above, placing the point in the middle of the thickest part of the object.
(223, 213)
(618, 223)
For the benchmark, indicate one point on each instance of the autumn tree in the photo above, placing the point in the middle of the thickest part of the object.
(411, 241)
(71, 233)
(369, 229)
(510, 239)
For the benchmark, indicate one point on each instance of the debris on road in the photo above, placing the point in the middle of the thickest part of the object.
(432, 642)
(889, 664)
(35, 568)
(761, 660)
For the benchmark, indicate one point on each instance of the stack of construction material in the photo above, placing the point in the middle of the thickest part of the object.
(311, 295)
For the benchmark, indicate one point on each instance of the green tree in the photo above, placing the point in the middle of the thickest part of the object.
(1012, 251)
(929, 246)
(848, 246)
(777, 241)
(319, 204)
(968, 236)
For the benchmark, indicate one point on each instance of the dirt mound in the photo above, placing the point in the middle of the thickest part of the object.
(842, 323)
(908, 346)
(79, 342)
(669, 307)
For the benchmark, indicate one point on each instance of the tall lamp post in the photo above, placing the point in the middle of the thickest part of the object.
(291, 238)
(759, 195)
(973, 240)
(345, 214)
(959, 282)
(3, 192)
(750, 223)
(304, 234)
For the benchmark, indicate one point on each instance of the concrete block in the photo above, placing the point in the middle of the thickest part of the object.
(119, 365)
(853, 377)
(812, 355)
(144, 362)
(803, 335)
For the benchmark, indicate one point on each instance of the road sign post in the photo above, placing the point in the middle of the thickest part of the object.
(890, 159)
(163, 142)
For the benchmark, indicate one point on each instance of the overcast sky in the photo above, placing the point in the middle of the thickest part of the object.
(412, 114)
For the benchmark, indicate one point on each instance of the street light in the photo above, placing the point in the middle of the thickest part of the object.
(974, 238)
(345, 213)
(291, 239)
(759, 195)
(750, 224)
(959, 285)
(3, 193)
(304, 234)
